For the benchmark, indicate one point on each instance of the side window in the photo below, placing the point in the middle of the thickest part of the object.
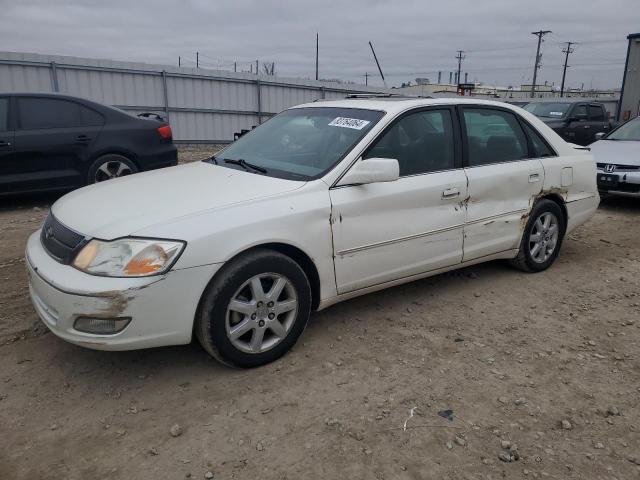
(35, 113)
(596, 113)
(540, 146)
(4, 114)
(422, 142)
(493, 136)
(580, 111)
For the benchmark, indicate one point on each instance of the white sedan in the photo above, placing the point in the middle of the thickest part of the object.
(324, 202)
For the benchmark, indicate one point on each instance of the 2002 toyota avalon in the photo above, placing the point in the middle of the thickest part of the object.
(324, 202)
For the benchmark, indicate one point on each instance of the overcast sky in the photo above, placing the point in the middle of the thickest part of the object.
(412, 38)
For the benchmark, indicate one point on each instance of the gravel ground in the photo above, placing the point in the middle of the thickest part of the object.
(484, 373)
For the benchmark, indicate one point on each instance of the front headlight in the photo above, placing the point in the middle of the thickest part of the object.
(128, 257)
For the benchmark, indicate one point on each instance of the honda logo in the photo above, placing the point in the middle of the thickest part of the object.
(609, 168)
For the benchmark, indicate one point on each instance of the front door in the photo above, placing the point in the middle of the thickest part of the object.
(503, 179)
(387, 231)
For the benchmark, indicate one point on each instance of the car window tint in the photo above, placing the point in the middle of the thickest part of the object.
(580, 111)
(422, 142)
(4, 114)
(37, 113)
(541, 148)
(493, 136)
(596, 112)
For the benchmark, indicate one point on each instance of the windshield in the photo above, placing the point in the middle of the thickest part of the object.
(627, 131)
(301, 143)
(548, 110)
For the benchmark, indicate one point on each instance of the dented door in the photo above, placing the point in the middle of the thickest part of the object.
(500, 196)
(386, 231)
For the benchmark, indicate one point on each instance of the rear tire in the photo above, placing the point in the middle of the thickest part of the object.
(110, 166)
(254, 310)
(542, 237)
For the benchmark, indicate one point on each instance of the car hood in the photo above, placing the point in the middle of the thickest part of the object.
(620, 152)
(123, 206)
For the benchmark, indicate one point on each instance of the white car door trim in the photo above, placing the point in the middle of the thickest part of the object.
(398, 240)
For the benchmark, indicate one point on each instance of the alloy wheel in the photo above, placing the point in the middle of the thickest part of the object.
(261, 312)
(112, 169)
(543, 238)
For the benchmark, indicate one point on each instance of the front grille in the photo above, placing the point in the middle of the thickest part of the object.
(59, 241)
(620, 168)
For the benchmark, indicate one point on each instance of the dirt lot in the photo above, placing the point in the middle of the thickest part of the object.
(548, 363)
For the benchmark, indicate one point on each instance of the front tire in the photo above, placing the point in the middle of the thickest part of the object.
(542, 237)
(254, 310)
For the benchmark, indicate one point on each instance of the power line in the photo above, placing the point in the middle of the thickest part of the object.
(539, 34)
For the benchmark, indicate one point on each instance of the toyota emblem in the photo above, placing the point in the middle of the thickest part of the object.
(609, 168)
(48, 233)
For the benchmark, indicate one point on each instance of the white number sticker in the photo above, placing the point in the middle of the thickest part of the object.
(559, 114)
(345, 122)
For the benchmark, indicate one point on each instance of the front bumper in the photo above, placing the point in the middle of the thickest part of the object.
(162, 308)
(626, 183)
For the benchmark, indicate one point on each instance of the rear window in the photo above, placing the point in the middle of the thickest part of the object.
(596, 112)
(38, 113)
(4, 114)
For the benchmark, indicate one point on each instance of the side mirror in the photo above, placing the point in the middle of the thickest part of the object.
(600, 135)
(372, 170)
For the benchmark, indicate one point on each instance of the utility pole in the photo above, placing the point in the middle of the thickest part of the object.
(197, 60)
(317, 55)
(235, 66)
(539, 34)
(460, 57)
(378, 64)
(566, 51)
(366, 78)
(257, 71)
(179, 62)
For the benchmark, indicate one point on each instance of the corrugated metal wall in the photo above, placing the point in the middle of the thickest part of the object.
(630, 101)
(202, 105)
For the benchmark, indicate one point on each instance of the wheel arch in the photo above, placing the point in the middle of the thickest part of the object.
(556, 198)
(297, 255)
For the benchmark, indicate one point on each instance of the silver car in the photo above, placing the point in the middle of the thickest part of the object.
(618, 160)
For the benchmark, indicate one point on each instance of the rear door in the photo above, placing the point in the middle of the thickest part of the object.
(7, 163)
(53, 140)
(502, 180)
(387, 231)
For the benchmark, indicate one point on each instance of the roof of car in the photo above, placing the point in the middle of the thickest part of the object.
(398, 104)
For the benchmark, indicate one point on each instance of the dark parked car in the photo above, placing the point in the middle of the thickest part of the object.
(576, 122)
(57, 142)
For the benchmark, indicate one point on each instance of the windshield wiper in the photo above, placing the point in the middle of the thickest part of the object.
(212, 159)
(246, 165)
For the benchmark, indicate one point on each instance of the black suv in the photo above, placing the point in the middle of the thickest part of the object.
(57, 142)
(576, 122)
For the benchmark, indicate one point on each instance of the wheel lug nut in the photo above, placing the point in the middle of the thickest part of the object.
(261, 323)
(271, 316)
(253, 316)
(259, 304)
(270, 304)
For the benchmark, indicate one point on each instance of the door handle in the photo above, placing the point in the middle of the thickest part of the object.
(4, 144)
(534, 177)
(587, 126)
(83, 139)
(450, 192)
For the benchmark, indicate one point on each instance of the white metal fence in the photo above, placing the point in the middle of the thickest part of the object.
(201, 105)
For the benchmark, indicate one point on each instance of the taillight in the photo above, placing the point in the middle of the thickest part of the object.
(165, 132)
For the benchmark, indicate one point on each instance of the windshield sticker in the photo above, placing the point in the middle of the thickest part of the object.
(345, 122)
(559, 114)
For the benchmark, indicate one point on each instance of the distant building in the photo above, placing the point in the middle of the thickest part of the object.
(630, 95)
